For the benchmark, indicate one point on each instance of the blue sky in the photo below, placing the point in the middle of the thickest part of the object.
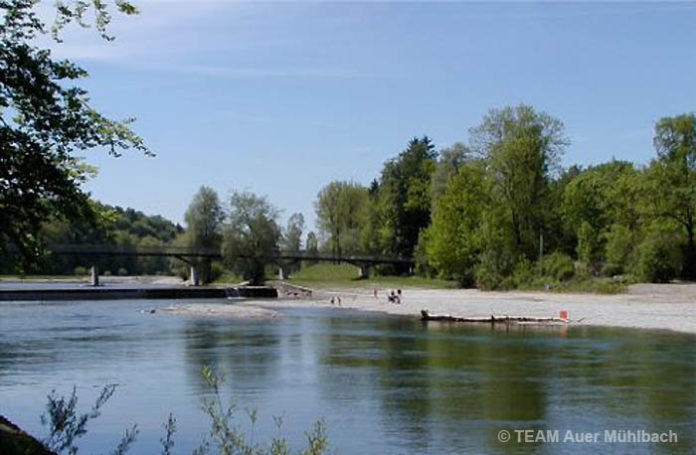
(281, 98)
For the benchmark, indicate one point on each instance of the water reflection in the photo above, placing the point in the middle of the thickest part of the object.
(385, 384)
(234, 347)
(462, 384)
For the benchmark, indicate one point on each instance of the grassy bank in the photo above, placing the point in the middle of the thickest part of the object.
(346, 275)
(585, 285)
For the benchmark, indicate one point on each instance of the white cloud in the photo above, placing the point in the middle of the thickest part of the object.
(161, 29)
(182, 37)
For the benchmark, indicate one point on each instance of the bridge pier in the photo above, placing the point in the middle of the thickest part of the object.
(363, 271)
(94, 279)
(283, 272)
(194, 277)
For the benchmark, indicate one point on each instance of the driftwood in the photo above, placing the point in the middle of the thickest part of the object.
(426, 316)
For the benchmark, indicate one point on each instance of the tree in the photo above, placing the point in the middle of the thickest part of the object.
(292, 239)
(600, 204)
(312, 243)
(292, 236)
(454, 238)
(204, 227)
(251, 235)
(673, 177)
(372, 230)
(338, 207)
(449, 161)
(406, 195)
(311, 246)
(204, 220)
(602, 195)
(44, 120)
(522, 148)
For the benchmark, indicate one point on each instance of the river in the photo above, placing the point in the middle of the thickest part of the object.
(383, 384)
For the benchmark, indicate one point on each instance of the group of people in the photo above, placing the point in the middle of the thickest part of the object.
(394, 297)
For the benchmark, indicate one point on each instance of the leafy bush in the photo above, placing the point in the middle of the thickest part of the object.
(216, 271)
(66, 426)
(80, 271)
(589, 244)
(558, 266)
(523, 273)
(491, 270)
(659, 258)
(420, 256)
(619, 246)
(122, 271)
(582, 270)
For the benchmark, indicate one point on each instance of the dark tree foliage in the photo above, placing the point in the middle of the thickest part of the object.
(405, 185)
(674, 177)
(108, 225)
(44, 120)
(251, 236)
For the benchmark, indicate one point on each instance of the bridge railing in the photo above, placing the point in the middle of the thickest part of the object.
(131, 250)
(177, 251)
(356, 258)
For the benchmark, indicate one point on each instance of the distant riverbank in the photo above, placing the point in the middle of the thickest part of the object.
(646, 306)
(7, 280)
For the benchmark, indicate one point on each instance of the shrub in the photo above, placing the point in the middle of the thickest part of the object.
(619, 246)
(558, 266)
(66, 426)
(81, 271)
(582, 270)
(122, 271)
(107, 273)
(659, 258)
(492, 268)
(487, 277)
(612, 269)
(589, 244)
(216, 271)
(523, 273)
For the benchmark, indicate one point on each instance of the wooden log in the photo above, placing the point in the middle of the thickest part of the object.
(426, 316)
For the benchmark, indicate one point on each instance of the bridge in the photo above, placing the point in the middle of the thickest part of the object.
(190, 255)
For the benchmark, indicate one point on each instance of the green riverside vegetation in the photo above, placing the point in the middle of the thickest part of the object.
(499, 213)
(346, 275)
(66, 426)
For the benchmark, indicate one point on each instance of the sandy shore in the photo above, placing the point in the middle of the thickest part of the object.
(647, 306)
(242, 310)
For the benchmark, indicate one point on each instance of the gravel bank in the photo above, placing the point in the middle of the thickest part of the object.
(237, 310)
(646, 306)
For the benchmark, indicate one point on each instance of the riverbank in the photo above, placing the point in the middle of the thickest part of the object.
(645, 306)
(8, 280)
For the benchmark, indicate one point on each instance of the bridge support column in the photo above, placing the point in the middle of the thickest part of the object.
(94, 276)
(363, 271)
(283, 272)
(195, 278)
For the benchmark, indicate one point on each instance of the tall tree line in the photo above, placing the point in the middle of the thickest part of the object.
(484, 212)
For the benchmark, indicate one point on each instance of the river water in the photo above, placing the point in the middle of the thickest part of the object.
(384, 385)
